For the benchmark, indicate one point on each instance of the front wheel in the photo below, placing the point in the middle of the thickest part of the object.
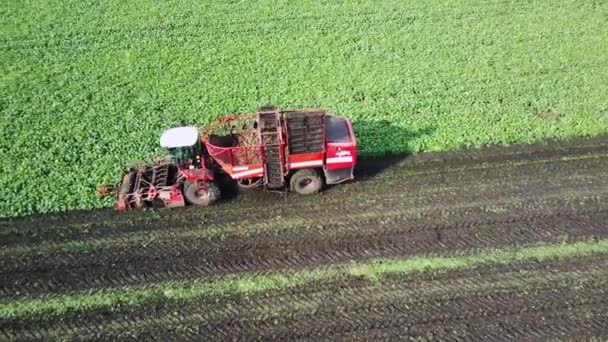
(306, 182)
(202, 195)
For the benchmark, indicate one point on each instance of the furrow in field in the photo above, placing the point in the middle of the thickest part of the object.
(399, 203)
(573, 322)
(364, 237)
(488, 206)
(369, 311)
(403, 194)
(472, 161)
(322, 309)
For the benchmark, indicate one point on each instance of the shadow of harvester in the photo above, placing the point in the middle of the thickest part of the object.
(382, 144)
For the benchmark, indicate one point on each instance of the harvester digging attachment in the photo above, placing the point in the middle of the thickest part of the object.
(148, 185)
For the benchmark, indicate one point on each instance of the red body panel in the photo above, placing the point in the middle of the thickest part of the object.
(340, 156)
(306, 160)
(197, 174)
(343, 154)
(248, 171)
(243, 162)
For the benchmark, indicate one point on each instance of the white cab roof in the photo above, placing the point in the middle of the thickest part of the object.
(179, 136)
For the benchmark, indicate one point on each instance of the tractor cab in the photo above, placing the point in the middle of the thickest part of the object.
(184, 146)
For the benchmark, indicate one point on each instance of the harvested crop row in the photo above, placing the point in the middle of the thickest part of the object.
(178, 256)
(375, 291)
(407, 189)
(293, 276)
(411, 173)
(569, 195)
(500, 205)
(255, 283)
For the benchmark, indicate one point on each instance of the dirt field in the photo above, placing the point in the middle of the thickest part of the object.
(146, 275)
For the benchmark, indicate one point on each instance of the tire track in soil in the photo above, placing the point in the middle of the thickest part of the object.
(363, 240)
(567, 193)
(499, 158)
(446, 216)
(19, 236)
(351, 206)
(471, 295)
(541, 193)
(448, 198)
(364, 312)
(577, 322)
(430, 316)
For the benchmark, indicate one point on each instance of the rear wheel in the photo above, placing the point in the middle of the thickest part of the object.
(204, 195)
(306, 182)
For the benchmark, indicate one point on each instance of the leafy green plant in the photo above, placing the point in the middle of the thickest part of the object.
(80, 100)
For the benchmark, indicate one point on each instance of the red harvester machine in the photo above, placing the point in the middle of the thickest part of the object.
(301, 150)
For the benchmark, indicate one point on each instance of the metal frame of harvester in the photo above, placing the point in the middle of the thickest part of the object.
(300, 150)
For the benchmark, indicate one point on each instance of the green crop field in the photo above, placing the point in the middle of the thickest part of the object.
(87, 86)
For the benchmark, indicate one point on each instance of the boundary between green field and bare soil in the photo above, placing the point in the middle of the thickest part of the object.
(249, 284)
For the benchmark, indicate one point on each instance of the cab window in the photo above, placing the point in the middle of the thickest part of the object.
(337, 130)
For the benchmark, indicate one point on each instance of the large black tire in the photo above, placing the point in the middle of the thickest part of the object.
(201, 197)
(306, 182)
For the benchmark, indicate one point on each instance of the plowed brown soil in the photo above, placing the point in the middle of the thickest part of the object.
(442, 204)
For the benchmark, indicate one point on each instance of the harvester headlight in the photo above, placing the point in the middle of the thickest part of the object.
(191, 167)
